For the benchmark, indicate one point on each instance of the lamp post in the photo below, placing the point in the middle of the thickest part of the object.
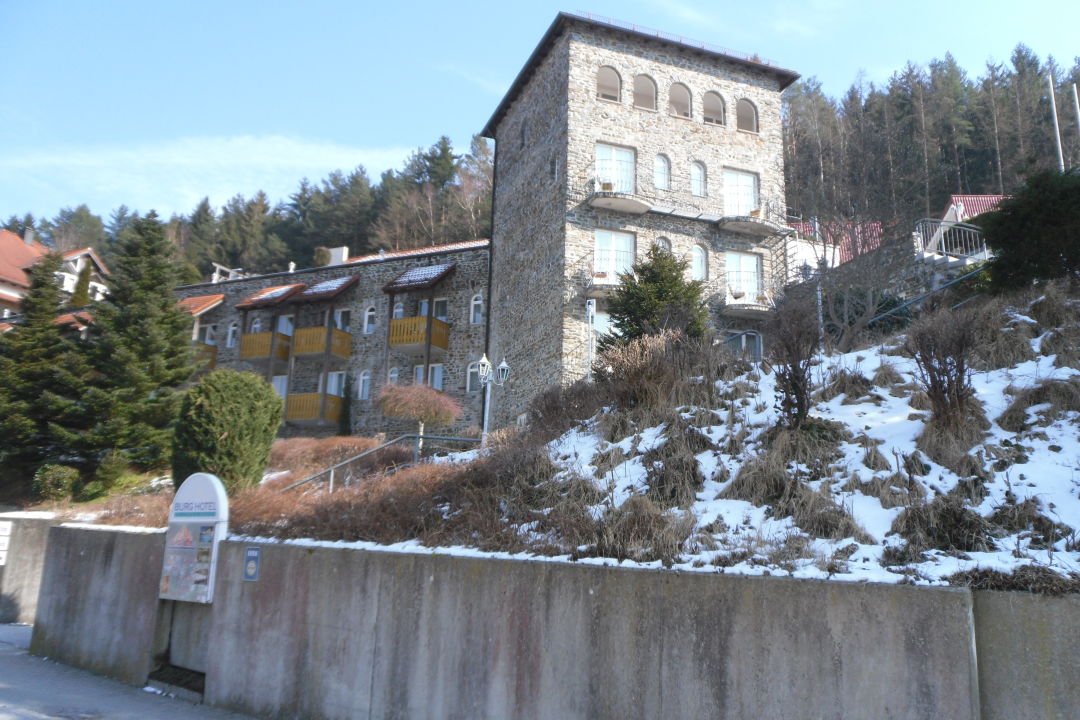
(490, 376)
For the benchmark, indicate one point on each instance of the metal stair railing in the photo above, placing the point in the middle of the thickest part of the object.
(348, 475)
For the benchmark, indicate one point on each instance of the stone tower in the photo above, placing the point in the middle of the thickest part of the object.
(612, 139)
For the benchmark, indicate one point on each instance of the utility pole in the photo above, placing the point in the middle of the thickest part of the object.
(1057, 129)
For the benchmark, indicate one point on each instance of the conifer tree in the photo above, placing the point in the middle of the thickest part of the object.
(81, 296)
(141, 350)
(40, 367)
(656, 296)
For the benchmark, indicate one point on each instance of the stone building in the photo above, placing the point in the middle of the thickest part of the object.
(610, 140)
(396, 317)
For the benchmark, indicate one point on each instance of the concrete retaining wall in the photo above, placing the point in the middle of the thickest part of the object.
(20, 575)
(1029, 655)
(330, 633)
(98, 604)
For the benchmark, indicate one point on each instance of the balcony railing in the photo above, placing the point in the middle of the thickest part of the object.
(614, 188)
(608, 264)
(410, 334)
(744, 287)
(951, 239)
(312, 340)
(304, 407)
(256, 346)
(206, 354)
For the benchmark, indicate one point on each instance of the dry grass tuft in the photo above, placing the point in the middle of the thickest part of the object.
(1027, 517)
(1027, 578)
(872, 457)
(1000, 341)
(305, 456)
(561, 407)
(1061, 395)
(1054, 308)
(145, 510)
(944, 524)
(886, 375)
(947, 442)
(1064, 345)
(640, 530)
(853, 385)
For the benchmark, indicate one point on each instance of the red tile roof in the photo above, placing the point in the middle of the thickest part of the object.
(201, 303)
(4, 327)
(10, 297)
(16, 256)
(77, 320)
(853, 239)
(449, 247)
(269, 296)
(968, 206)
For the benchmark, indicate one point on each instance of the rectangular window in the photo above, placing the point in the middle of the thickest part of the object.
(334, 383)
(442, 308)
(285, 325)
(280, 384)
(614, 169)
(740, 192)
(614, 254)
(343, 320)
(207, 333)
(743, 275)
(435, 375)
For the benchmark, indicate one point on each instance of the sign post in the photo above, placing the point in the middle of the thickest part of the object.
(198, 521)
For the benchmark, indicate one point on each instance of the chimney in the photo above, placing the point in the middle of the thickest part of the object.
(338, 255)
(28, 236)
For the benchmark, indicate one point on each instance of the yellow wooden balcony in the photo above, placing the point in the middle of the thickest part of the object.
(410, 335)
(256, 346)
(206, 355)
(312, 341)
(304, 407)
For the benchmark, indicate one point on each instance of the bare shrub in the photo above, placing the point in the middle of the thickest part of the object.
(793, 341)
(942, 344)
(944, 524)
(561, 407)
(1026, 578)
(1061, 395)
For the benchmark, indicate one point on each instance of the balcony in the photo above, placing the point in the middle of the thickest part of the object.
(409, 335)
(613, 188)
(256, 346)
(607, 266)
(745, 295)
(313, 340)
(305, 408)
(766, 220)
(206, 355)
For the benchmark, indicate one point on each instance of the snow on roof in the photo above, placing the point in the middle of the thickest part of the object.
(270, 295)
(327, 288)
(419, 277)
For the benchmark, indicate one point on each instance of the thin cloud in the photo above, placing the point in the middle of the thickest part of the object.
(172, 176)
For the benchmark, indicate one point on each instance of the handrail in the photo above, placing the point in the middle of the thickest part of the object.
(922, 297)
(332, 468)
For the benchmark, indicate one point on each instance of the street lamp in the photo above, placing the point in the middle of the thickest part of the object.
(490, 376)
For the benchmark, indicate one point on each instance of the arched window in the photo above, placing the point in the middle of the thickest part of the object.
(472, 381)
(663, 243)
(698, 180)
(661, 173)
(713, 108)
(392, 378)
(476, 310)
(230, 338)
(255, 326)
(644, 92)
(369, 321)
(608, 84)
(746, 116)
(363, 385)
(699, 263)
(399, 310)
(679, 101)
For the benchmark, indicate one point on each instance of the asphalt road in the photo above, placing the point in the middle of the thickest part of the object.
(32, 688)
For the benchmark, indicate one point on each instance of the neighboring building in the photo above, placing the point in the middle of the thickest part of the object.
(610, 140)
(388, 318)
(18, 255)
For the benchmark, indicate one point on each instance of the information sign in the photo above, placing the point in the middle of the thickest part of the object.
(198, 521)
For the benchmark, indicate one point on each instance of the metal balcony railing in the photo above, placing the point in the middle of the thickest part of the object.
(608, 264)
(614, 176)
(745, 287)
(952, 239)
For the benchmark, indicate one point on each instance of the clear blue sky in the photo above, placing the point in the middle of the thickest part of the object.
(156, 104)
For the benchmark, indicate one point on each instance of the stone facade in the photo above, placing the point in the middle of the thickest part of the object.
(371, 351)
(547, 215)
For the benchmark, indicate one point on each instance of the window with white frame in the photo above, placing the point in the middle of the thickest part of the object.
(363, 385)
(334, 383)
(441, 306)
(393, 376)
(343, 319)
(699, 182)
(614, 168)
(369, 321)
(614, 254)
(234, 331)
(399, 310)
(280, 383)
(699, 263)
(740, 192)
(207, 334)
(256, 325)
(285, 325)
(742, 274)
(476, 310)
(435, 375)
(661, 173)
(472, 378)
(608, 84)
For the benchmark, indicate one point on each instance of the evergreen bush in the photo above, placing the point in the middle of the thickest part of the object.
(226, 426)
(55, 482)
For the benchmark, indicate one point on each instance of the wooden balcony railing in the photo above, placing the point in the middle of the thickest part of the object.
(410, 334)
(312, 340)
(304, 407)
(206, 355)
(256, 346)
